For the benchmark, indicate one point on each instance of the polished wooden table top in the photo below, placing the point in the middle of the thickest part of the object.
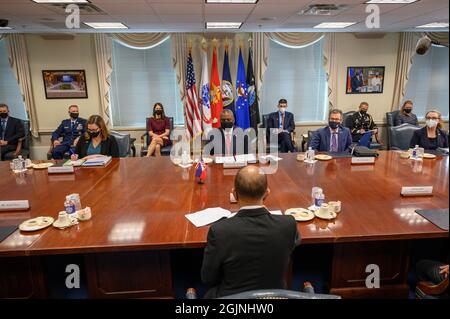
(140, 203)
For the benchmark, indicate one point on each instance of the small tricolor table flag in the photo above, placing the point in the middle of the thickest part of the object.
(200, 171)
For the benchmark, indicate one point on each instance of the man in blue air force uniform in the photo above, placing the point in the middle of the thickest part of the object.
(70, 130)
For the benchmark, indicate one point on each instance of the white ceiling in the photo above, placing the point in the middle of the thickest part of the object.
(191, 15)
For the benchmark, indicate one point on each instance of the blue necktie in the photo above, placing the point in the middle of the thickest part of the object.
(3, 129)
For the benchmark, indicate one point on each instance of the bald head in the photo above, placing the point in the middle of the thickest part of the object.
(250, 184)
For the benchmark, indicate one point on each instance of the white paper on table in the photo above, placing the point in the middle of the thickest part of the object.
(270, 157)
(276, 212)
(207, 216)
(250, 158)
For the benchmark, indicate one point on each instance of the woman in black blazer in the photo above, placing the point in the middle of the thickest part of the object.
(96, 141)
(431, 136)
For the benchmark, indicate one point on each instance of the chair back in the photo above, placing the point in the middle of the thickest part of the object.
(265, 119)
(26, 143)
(310, 136)
(123, 141)
(347, 118)
(279, 294)
(400, 136)
(390, 118)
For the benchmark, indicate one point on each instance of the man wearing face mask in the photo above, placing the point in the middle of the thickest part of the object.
(284, 125)
(431, 136)
(70, 130)
(11, 130)
(333, 138)
(228, 136)
(362, 122)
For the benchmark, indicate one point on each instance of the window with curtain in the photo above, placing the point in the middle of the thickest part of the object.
(428, 80)
(298, 76)
(9, 88)
(140, 78)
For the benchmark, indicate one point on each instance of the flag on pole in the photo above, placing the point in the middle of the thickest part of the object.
(252, 93)
(227, 86)
(191, 106)
(204, 93)
(215, 92)
(242, 111)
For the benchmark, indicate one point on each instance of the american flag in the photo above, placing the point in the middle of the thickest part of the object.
(191, 106)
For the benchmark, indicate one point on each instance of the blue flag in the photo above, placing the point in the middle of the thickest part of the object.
(242, 111)
(227, 85)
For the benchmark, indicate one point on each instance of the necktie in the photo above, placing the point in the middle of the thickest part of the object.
(282, 121)
(228, 144)
(334, 142)
(3, 129)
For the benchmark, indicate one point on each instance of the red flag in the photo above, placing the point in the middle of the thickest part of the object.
(215, 92)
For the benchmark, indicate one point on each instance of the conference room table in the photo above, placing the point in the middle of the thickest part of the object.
(138, 216)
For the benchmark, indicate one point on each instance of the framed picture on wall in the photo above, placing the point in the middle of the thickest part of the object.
(70, 84)
(365, 79)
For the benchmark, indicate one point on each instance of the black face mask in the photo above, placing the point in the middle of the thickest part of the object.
(333, 125)
(3, 115)
(158, 112)
(408, 111)
(74, 115)
(226, 124)
(93, 134)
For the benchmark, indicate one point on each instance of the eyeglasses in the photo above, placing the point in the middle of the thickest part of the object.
(432, 118)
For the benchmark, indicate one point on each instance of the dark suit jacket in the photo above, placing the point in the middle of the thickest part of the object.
(14, 131)
(321, 139)
(236, 151)
(355, 83)
(274, 120)
(69, 133)
(109, 147)
(420, 138)
(248, 251)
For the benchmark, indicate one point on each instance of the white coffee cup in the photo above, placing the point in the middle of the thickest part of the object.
(84, 214)
(63, 218)
(325, 209)
(335, 206)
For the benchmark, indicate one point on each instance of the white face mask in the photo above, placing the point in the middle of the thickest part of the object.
(282, 109)
(432, 123)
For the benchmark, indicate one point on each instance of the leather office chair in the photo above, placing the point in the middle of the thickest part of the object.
(400, 136)
(265, 119)
(123, 141)
(146, 140)
(23, 145)
(390, 118)
(429, 290)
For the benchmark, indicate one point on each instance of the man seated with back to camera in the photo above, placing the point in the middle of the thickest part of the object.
(228, 140)
(252, 249)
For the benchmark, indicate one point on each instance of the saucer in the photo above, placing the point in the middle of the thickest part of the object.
(73, 221)
(33, 224)
(327, 216)
(300, 214)
(323, 157)
(429, 156)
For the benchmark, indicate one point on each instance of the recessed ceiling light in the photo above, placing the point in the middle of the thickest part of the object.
(334, 25)
(232, 1)
(5, 28)
(61, 1)
(434, 25)
(106, 25)
(392, 1)
(223, 25)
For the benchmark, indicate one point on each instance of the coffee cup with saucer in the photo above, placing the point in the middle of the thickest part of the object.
(64, 220)
(84, 214)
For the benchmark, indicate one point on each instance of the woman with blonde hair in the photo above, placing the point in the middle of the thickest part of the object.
(431, 136)
(96, 141)
(405, 115)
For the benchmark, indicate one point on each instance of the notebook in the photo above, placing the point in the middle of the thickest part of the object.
(98, 161)
(5, 231)
(439, 217)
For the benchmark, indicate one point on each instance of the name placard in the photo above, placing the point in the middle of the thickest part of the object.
(60, 170)
(234, 164)
(363, 160)
(417, 191)
(8, 205)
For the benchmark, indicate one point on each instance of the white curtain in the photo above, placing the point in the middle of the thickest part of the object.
(330, 65)
(103, 54)
(295, 40)
(439, 37)
(140, 40)
(405, 54)
(179, 54)
(260, 57)
(18, 59)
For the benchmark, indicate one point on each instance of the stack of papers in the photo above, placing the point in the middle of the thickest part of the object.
(208, 216)
(98, 161)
